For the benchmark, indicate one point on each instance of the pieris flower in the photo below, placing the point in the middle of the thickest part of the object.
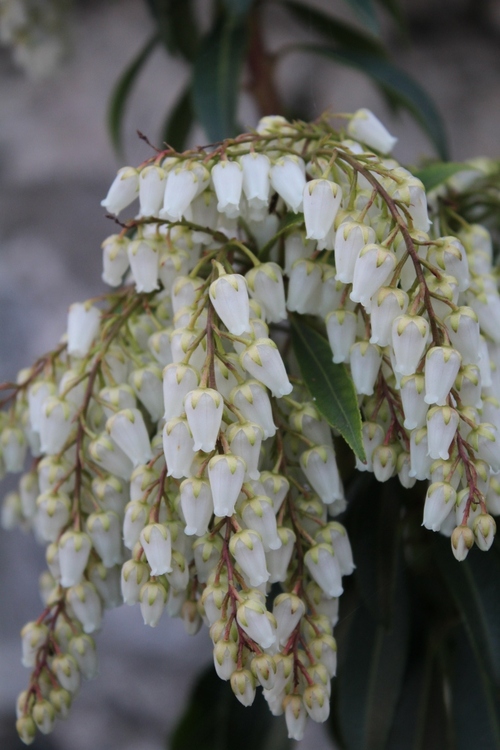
(243, 686)
(123, 190)
(320, 467)
(387, 304)
(323, 566)
(252, 400)
(74, 551)
(229, 296)
(178, 447)
(442, 364)
(144, 257)
(184, 183)
(413, 401)
(258, 514)
(350, 238)
(247, 549)
(263, 361)
(204, 408)
(288, 179)
(365, 127)
(439, 503)
(197, 505)
(87, 607)
(128, 431)
(152, 597)
(322, 199)
(341, 326)
(256, 180)
(409, 338)
(83, 326)
(372, 269)
(151, 190)
(442, 424)
(256, 621)
(226, 474)
(157, 545)
(227, 178)
(265, 283)
(365, 360)
(104, 529)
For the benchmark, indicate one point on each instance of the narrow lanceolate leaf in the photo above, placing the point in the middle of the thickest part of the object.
(176, 25)
(334, 30)
(179, 122)
(399, 88)
(329, 384)
(475, 587)
(122, 91)
(365, 12)
(433, 175)
(216, 81)
(289, 221)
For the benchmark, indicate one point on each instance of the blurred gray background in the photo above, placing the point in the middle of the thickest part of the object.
(56, 163)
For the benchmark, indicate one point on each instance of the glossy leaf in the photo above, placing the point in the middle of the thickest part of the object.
(365, 11)
(475, 587)
(329, 384)
(176, 26)
(179, 122)
(289, 221)
(371, 673)
(333, 29)
(475, 702)
(215, 720)
(400, 89)
(435, 174)
(122, 91)
(216, 82)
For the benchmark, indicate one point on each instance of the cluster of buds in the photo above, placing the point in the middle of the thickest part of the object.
(180, 464)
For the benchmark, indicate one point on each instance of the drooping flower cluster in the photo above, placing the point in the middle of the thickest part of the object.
(181, 465)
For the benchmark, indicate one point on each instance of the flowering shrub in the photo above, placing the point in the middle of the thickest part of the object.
(184, 454)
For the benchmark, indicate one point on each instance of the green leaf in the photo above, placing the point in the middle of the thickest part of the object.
(179, 122)
(366, 12)
(176, 25)
(435, 174)
(337, 31)
(216, 81)
(475, 587)
(329, 384)
(395, 84)
(475, 702)
(371, 672)
(215, 720)
(238, 8)
(122, 90)
(289, 221)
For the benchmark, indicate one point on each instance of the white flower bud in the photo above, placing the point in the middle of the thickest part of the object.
(324, 568)
(178, 448)
(288, 610)
(152, 597)
(252, 400)
(442, 364)
(372, 435)
(468, 387)
(185, 292)
(128, 431)
(74, 551)
(412, 398)
(148, 387)
(226, 474)
(384, 462)
(183, 184)
(419, 455)
(256, 180)
(114, 259)
(44, 716)
(484, 528)
(106, 453)
(33, 637)
(373, 268)
(87, 607)
(37, 393)
(229, 296)
(204, 408)
(55, 424)
(442, 424)
(13, 448)
(245, 440)
(288, 180)
(227, 178)
(143, 257)
(134, 574)
(320, 467)
(350, 239)
(304, 286)
(243, 686)
(197, 505)
(450, 256)
(173, 263)
(409, 338)
(26, 729)
(276, 488)
(278, 560)
(295, 716)
(258, 514)
(264, 670)
(178, 380)
(322, 199)
(484, 440)
(263, 361)
(28, 492)
(52, 514)
(365, 360)
(462, 540)
(439, 503)
(151, 190)
(257, 622)
(387, 304)
(341, 326)
(83, 327)
(104, 530)
(365, 127)
(296, 247)
(265, 283)
(157, 545)
(123, 190)
(225, 658)
(247, 549)
(116, 398)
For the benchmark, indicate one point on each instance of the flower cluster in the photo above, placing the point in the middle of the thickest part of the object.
(181, 466)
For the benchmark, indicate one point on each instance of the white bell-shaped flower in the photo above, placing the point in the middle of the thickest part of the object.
(258, 514)
(114, 259)
(484, 528)
(265, 283)
(55, 424)
(278, 560)
(263, 361)
(366, 127)
(450, 256)
(336, 535)
(468, 386)
(288, 180)
(37, 393)
(204, 408)
(252, 400)
(157, 545)
(82, 649)
(173, 263)
(317, 702)
(350, 239)
(106, 453)
(257, 622)
(13, 448)
(341, 326)
(184, 183)
(107, 583)
(28, 492)
(304, 286)
(178, 448)
(226, 474)
(151, 190)
(384, 461)
(373, 268)
(485, 364)
(372, 435)
(229, 296)
(365, 360)
(123, 191)
(74, 551)
(296, 247)
(409, 339)
(307, 420)
(295, 716)
(153, 598)
(148, 387)
(136, 517)
(322, 199)
(116, 398)
(86, 605)
(225, 659)
(52, 514)
(462, 540)
(442, 424)
(419, 454)
(463, 328)
(245, 440)
(178, 380)
(288, 610)
(264, 670)
(67, 672)
(184, 292)
(484, 441)
(439, 503)
(83, 326)
(442, 364)
(243, 686)
(54, 470)
(404, 468)
(197, 505)
(144, 261)
(160, 347)
(129, 432)
(207, 553)
(256, 180)
(247, 549)
(412, 398)
(412, 193)
(104, 529)
(387, 304)
(33, 637)
(320, 467)
(227, 178)
(323, 566)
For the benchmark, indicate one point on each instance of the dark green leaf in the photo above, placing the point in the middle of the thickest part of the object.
(373, 523)
(371, 673)
(395, 84)
(176, 25)
(122, 91)
(216, 82)
(366, 12)
(475, 587)
(435, 174)
(238, 8)
(289, 221)
(329, 384)
(215, 720)
(338, 31)
(179, 122)
(475, 702)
